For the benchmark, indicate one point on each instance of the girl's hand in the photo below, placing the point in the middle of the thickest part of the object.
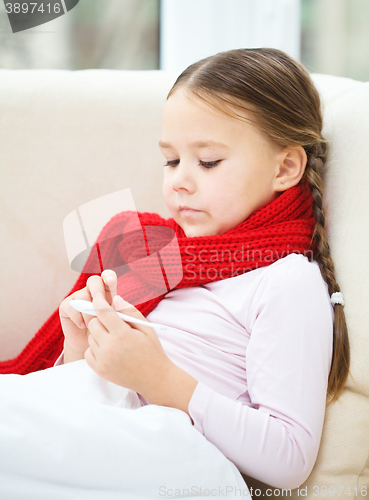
(133, 357)
(129, 356)
(74, 323)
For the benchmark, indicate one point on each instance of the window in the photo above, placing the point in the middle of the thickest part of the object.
(113, 34)
(335, 37)
(328, 36)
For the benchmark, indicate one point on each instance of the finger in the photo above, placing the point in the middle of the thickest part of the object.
(93, 341)
(95, 285)
(125, 307)
(90, 358)
(107, 314)
(68, 315)
(83, 294)
(68, 312)
(97, 332)
(110, 280)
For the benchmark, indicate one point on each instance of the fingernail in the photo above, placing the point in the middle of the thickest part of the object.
(119, 303)
(82, 325)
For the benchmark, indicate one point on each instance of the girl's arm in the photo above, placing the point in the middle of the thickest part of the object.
(287, 363)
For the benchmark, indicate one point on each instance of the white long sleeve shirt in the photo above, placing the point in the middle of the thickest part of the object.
(260, 345)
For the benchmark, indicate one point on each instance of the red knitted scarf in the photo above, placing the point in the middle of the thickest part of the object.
(152, 256)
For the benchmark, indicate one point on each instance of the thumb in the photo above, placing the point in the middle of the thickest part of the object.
(125, 307)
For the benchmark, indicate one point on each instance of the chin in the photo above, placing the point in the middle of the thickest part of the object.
(190, 233)
(193, 232)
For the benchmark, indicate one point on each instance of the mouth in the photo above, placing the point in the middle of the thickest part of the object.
(185, 207)
(187, 211)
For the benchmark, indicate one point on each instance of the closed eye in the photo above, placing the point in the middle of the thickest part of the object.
(172, 162)
(210, 164)
(206, 164)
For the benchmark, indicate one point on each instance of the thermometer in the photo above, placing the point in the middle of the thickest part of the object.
(86, 307)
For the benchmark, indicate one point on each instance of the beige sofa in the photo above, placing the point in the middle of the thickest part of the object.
(67, 138)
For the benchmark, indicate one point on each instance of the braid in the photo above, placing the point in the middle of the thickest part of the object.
(322, 254)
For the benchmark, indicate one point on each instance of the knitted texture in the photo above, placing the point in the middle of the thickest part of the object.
(155, 256)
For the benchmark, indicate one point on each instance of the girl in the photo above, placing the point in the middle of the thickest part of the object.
(256, 336)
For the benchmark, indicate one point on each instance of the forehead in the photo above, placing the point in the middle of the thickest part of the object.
(222, 105)
(185, 99)
(202, 125)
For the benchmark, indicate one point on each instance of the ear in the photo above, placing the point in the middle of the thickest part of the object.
(292, 163)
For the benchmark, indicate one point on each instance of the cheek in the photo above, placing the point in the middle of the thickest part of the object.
(167, 190)
(224, 192)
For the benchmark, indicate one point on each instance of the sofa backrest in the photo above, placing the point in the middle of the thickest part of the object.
(67, 137)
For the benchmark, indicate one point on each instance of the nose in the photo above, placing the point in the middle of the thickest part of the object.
(182, 178)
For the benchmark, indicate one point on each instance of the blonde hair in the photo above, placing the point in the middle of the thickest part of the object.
(279, 95)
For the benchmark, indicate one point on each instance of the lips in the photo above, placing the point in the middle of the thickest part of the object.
(185, 207)
(188, 212)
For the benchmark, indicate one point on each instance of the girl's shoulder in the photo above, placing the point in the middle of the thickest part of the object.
(290, 285)
(293, 266)
(293, 281)
(292, 273)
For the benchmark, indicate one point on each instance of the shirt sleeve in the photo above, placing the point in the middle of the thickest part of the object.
(288, 358)
(60, 360)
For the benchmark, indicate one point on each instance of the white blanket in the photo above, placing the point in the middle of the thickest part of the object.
(65, 433)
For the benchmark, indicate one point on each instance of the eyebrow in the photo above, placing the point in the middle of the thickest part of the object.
(198, 144)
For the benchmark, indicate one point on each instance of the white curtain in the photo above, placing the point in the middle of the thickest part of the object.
(193, 29)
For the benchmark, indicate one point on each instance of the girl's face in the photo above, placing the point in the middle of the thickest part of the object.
(219, 168)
